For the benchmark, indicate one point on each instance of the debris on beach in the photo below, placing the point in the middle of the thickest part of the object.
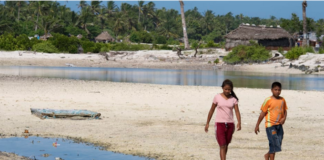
(308, 63)
(65, 114)
(69, 65)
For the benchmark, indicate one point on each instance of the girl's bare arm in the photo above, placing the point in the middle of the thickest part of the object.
(210, 114)
(238, 116)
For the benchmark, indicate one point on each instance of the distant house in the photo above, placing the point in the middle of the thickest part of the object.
(271, 38)
(45, 37)
(104, 37)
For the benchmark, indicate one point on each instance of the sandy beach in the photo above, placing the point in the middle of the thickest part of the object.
(162, 59)
(158, 121)
(10, 156)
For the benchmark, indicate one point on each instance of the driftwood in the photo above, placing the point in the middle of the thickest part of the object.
(196, 49)
(179, 53)
(105, 55)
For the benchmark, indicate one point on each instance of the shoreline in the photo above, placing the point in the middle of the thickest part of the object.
(140, 59)
(10, 156)
(157, 124)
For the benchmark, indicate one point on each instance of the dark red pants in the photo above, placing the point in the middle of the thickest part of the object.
(224, 132)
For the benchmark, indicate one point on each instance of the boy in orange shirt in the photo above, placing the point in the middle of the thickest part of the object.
(274, 111)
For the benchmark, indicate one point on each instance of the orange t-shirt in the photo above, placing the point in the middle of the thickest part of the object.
(275, 109)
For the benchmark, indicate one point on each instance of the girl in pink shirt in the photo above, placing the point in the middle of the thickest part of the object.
(224, 126)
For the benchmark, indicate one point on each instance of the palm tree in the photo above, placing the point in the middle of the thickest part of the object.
(38, 7)
(95, 7)
(304, 4)
(140, 6)
(85, 17)
(185, 36)
(102, 16)
(207, 20)
(48, 23)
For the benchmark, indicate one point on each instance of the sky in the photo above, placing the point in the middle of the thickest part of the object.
(262, 9)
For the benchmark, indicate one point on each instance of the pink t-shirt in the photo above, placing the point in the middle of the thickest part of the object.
(224, 109)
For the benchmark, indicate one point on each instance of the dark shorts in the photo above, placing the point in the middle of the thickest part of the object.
(224, 132)
(275, 136)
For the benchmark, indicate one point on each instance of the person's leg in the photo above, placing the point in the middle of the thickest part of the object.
(221, 139)
(230, 128)
(222, 152)
(272, 156)
(267, 156)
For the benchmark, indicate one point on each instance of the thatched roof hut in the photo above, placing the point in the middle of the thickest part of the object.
(104, 37)
(268, 37)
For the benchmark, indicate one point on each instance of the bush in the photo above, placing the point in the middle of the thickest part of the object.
(87, 45)
(309, 49)
(295, 52)
(104, 49)
(216, 61)
(172, 42)
(23, 42)
(135, 37)
(210, 44)
(8, 42)
(165, 47)
(141, 37)
(280, 50)
(34, 41)
(242, 53)
(46, 47)
(64, 43)
(126, 47)
(160, 40)
(194, 45)
(321, 50)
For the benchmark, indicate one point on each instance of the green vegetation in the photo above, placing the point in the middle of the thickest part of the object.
(64, 43)
(140, 23)
(253, 53)
(216, 61)
(309, 49)
(294, 53)
(45, 47)
(321, 50)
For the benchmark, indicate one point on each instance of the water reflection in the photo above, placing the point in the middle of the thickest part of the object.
(172, 77)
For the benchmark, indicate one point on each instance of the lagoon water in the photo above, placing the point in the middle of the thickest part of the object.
(172, 76)
(43, 149)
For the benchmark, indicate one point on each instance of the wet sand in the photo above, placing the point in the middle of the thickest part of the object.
(158, 121)
(11, 156)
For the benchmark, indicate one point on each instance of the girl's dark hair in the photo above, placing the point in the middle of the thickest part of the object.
(276, 84)
(230, 83)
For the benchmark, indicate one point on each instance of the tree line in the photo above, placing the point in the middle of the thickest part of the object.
(42, 17)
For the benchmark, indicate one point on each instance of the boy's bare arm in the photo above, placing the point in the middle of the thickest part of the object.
(262, 114)
(283, 120)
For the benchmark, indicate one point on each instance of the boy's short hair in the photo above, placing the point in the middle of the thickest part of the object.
(276, 84)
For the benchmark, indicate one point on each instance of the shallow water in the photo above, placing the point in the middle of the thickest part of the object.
(172, 76)
(38, 147)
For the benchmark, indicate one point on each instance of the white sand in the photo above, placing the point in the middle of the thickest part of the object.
(158, 120)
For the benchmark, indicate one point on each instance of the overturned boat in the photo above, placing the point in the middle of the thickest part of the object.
(74, 114)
